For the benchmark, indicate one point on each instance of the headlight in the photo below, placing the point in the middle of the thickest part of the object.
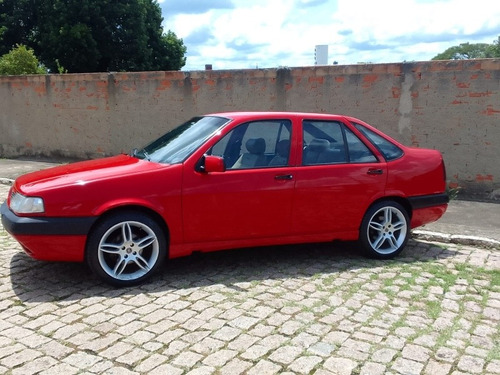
(26, 205)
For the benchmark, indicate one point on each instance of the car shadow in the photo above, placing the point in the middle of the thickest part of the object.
(36, 281)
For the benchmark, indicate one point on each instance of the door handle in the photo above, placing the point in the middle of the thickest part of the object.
(283, 177)
(375, 171)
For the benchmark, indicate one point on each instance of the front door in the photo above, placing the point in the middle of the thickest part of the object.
(253, 197)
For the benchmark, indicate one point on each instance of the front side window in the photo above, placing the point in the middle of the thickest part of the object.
(255, 144)
(178, 144)
(388, 149)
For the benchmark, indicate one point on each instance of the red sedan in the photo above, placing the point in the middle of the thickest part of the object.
(229, 180)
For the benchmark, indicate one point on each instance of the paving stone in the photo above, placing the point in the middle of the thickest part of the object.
(384, 355)
(235, 367)
(226, 333)
(285, 354)
(322, 349)
(407, 366)
(166, 369)
(82, 360)
(187, 359)
(416, 353)
(493, 367)
(264, 367)
(437, 368)
(220, 358)
(336, 337)
(470, 364)
(305, 365)
(372, 368)
(340, 366)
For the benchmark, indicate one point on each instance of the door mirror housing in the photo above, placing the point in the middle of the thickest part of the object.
(211, 164)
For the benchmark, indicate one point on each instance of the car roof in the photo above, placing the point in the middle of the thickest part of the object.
(263, 114)
(260, 115)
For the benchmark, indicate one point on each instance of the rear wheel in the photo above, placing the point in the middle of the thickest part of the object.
(126, 248)
(385, 230)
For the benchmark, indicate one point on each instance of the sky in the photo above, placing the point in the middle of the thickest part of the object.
(248, 34)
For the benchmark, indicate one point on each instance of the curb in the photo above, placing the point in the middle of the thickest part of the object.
(458, 239)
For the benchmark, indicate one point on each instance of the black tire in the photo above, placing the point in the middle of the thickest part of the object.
(126, 248)
(385, 230)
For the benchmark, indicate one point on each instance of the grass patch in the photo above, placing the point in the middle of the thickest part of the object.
(433, 309)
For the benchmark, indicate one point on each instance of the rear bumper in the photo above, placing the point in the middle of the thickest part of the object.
(425, 201)
(427, 208)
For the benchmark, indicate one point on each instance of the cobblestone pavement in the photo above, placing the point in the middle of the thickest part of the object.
(311, 309)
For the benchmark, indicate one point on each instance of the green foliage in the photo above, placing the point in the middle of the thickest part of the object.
(495, 48)
(92, 35)
(60, 68)
(453, 192)
(21, 60)
(470, 51)
(17, 20)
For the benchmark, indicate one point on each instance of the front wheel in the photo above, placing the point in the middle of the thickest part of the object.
(126, 248)
(385, 230)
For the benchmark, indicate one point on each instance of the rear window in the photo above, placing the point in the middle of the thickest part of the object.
(388, 149)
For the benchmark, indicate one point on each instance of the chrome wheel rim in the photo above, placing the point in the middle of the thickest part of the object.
(128, 250)
(387, 230)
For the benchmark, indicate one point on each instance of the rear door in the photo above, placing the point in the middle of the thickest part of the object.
(339, 178)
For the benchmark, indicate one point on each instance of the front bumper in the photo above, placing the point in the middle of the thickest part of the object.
(48, 238)
(40, 225)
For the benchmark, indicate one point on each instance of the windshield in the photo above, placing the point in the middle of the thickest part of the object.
(175, 146)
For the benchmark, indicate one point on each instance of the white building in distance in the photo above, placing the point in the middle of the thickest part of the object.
(321, 54)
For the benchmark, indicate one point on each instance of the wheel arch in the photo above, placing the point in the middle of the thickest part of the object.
(134, 208)
(401, 200)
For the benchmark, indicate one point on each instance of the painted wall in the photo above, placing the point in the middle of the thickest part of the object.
(453, 106)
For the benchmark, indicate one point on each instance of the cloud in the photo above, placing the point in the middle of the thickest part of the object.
(368, 46)
(310, 3)
(174, 7)
(270, 33)
(200, 36)
(244, 48)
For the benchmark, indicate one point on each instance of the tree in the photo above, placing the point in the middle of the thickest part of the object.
(495, 48)
(19, 61)
(470, 51)
(18, 21)
(93, 35)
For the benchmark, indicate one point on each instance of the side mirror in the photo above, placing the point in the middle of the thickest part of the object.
(212, 164)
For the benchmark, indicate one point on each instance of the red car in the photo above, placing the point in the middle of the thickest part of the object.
(229, 180)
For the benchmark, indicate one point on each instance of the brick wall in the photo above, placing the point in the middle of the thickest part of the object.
(453, 106)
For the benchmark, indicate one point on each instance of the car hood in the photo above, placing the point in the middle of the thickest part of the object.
(81, 173)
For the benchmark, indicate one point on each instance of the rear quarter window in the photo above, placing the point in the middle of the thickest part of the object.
(389, 150)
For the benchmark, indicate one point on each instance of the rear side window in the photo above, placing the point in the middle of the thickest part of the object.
(323, 143)
(331, 142)
(358, 152)
(388, 149)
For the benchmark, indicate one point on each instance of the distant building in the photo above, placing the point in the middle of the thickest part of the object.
(321, 55)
